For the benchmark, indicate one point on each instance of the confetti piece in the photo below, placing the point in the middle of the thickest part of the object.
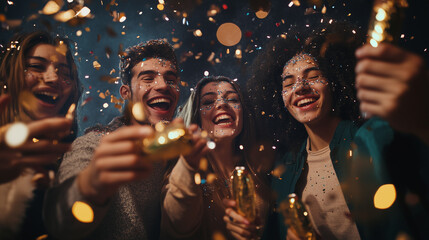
(228, 34)
(83, 212)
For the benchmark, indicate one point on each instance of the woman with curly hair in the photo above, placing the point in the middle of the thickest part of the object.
(304, 86)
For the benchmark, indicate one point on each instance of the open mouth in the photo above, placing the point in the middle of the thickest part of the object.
(306, 101)
(223, 119)
(162, 104)
(47, 97)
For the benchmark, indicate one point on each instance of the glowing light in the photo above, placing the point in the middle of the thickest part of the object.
(138, 112)
(16, 134)
(161, 140)
(83, 12)
(122, 17)
(381, 14)
(71, 111)
(261, 14)
(378, 28)
(176, 134)
(65, 16)
(105, 105)
(198, 33)
(238, 53)
(376, 36)
(79, 33)
(50, 8)
(159, 127)
(241, 147)
(206, 73)
(161, 2)
(35, 140)
(83, 212)
(373, 43)
(197, 178)
(228, 34)
(160, 7)
(385, 196)
(211, 145)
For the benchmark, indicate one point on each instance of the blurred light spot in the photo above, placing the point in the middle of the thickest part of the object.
(198, 33)
(65, 16)
(261, 14)
(50, 8)
(238, 53)
(79, 33)
(161, 1)
(122, 17)
(16, 134)
(96, 65)
(160, 7)
(211, 145)
(373, 43)
(105, 105)
(385, 196)
(35, 140)
(197, 178)
(83, 212)
(138, 112)
(83, 12)
(203, 164)
(161, 140)
(241, 147)
(228, 34)
(206, 73)
(381, 14)
(175, 134)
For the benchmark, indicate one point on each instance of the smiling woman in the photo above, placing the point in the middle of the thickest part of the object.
(216, 106)
(39, 84)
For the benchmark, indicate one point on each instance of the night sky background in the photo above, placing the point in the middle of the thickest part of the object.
(102, 38)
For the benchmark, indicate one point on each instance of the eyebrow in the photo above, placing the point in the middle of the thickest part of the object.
(44, 60)
(215, 93)
(305, 72)
(152, 72)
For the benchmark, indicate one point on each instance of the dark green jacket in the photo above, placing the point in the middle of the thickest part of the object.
(359, 157)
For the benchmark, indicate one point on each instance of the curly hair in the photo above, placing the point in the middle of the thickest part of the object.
(333, 46)
(157, 48)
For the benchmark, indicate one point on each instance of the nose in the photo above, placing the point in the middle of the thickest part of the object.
(220, 102)
(160, 83)
(50, 75)
(302, 86)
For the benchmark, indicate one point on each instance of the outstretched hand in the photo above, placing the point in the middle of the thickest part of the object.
(35, 154)
(392, 83)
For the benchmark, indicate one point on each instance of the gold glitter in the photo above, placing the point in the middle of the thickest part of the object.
(203, 164)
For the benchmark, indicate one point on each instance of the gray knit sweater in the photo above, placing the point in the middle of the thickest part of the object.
(132, 213)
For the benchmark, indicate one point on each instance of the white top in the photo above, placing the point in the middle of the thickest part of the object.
(324, 199)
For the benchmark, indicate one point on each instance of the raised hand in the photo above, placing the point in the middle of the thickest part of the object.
(392, 83)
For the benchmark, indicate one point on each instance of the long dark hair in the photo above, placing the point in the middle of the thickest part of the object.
(333, 46)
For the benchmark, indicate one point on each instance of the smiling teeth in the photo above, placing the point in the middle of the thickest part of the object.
(159, 100)
(53, 95)
(304, 101)
(222, 117)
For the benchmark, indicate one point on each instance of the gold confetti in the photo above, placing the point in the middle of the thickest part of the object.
(261, 148)
(197, 178)
(96, 65)
(65, 16)
(160, 7)
(35, 140)
(101, 95)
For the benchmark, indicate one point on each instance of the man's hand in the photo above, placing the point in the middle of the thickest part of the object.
(116, 161)
(392, 84)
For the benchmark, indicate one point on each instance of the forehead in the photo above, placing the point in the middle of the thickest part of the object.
(299, 63)
(47, 51)
(217, 87)
(153, 64)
